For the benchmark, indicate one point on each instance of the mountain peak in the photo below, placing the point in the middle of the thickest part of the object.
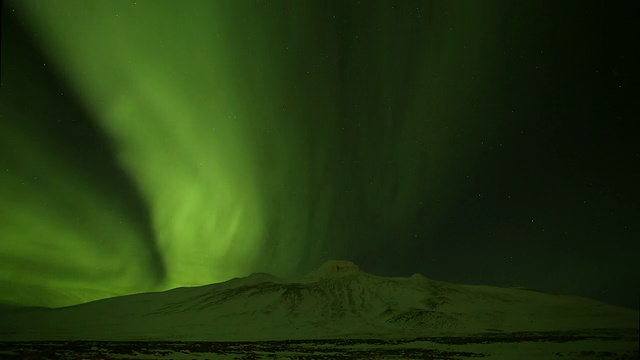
(337, 266)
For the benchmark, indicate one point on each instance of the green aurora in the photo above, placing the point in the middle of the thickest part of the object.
(151, 144)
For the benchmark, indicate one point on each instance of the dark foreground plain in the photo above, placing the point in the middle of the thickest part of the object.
(596, 344)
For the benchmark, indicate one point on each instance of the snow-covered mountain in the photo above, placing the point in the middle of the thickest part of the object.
(335, 301)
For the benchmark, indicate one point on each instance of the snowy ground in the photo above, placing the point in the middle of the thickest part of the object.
(548, 345)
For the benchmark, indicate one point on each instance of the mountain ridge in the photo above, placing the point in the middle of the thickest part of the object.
(335, 300)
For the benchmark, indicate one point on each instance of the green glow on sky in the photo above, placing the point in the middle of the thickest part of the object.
(149, 144)
(158, 78)
(229, 118)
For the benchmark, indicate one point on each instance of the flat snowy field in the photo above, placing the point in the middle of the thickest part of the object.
(549, 345)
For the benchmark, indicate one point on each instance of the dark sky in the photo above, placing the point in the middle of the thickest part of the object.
(153, 144)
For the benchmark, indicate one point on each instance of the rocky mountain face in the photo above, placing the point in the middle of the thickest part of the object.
(336, 300)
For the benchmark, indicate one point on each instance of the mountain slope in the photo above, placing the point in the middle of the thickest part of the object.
(337, 300)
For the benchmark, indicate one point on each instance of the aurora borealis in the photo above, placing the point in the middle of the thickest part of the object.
(151, 144)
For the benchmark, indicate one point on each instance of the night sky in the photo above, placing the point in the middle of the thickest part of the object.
(149, 144)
